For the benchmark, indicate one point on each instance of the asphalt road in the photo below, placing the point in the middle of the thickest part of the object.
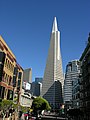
(52, 118)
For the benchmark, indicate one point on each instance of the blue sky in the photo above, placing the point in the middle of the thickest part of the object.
(26, 26)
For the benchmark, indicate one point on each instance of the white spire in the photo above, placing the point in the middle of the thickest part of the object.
(54, 28)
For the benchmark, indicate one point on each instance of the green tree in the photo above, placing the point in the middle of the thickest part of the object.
(40, 103)
(6, 104)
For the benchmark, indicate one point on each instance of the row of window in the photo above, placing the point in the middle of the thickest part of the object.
(7, 79)
(76, 96)
(9, 65)
(75, 90)
(85, 104)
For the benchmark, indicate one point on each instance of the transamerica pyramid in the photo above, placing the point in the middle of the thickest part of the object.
(53, 75)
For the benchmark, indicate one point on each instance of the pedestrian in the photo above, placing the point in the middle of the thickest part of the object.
(22, 117)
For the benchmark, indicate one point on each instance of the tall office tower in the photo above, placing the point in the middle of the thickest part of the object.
(53, 75)
(27, 75)
(71, 75)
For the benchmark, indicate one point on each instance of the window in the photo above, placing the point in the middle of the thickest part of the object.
(10, 80)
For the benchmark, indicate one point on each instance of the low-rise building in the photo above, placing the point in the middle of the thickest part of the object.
(26, 98)
(10, 73)
(7, 65)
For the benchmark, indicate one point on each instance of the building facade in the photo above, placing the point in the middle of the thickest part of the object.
(10, 81)
(76, 94)
(26, 98)
(85, 81)
(38, 79)
(71, 77)
(27, 75)
(53, 75)
(37, 87)
(17, 83)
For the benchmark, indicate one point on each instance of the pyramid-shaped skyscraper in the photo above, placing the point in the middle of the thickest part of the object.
(53, 75)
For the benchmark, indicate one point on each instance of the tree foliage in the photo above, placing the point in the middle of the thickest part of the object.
(40, 103)
(5, 104)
